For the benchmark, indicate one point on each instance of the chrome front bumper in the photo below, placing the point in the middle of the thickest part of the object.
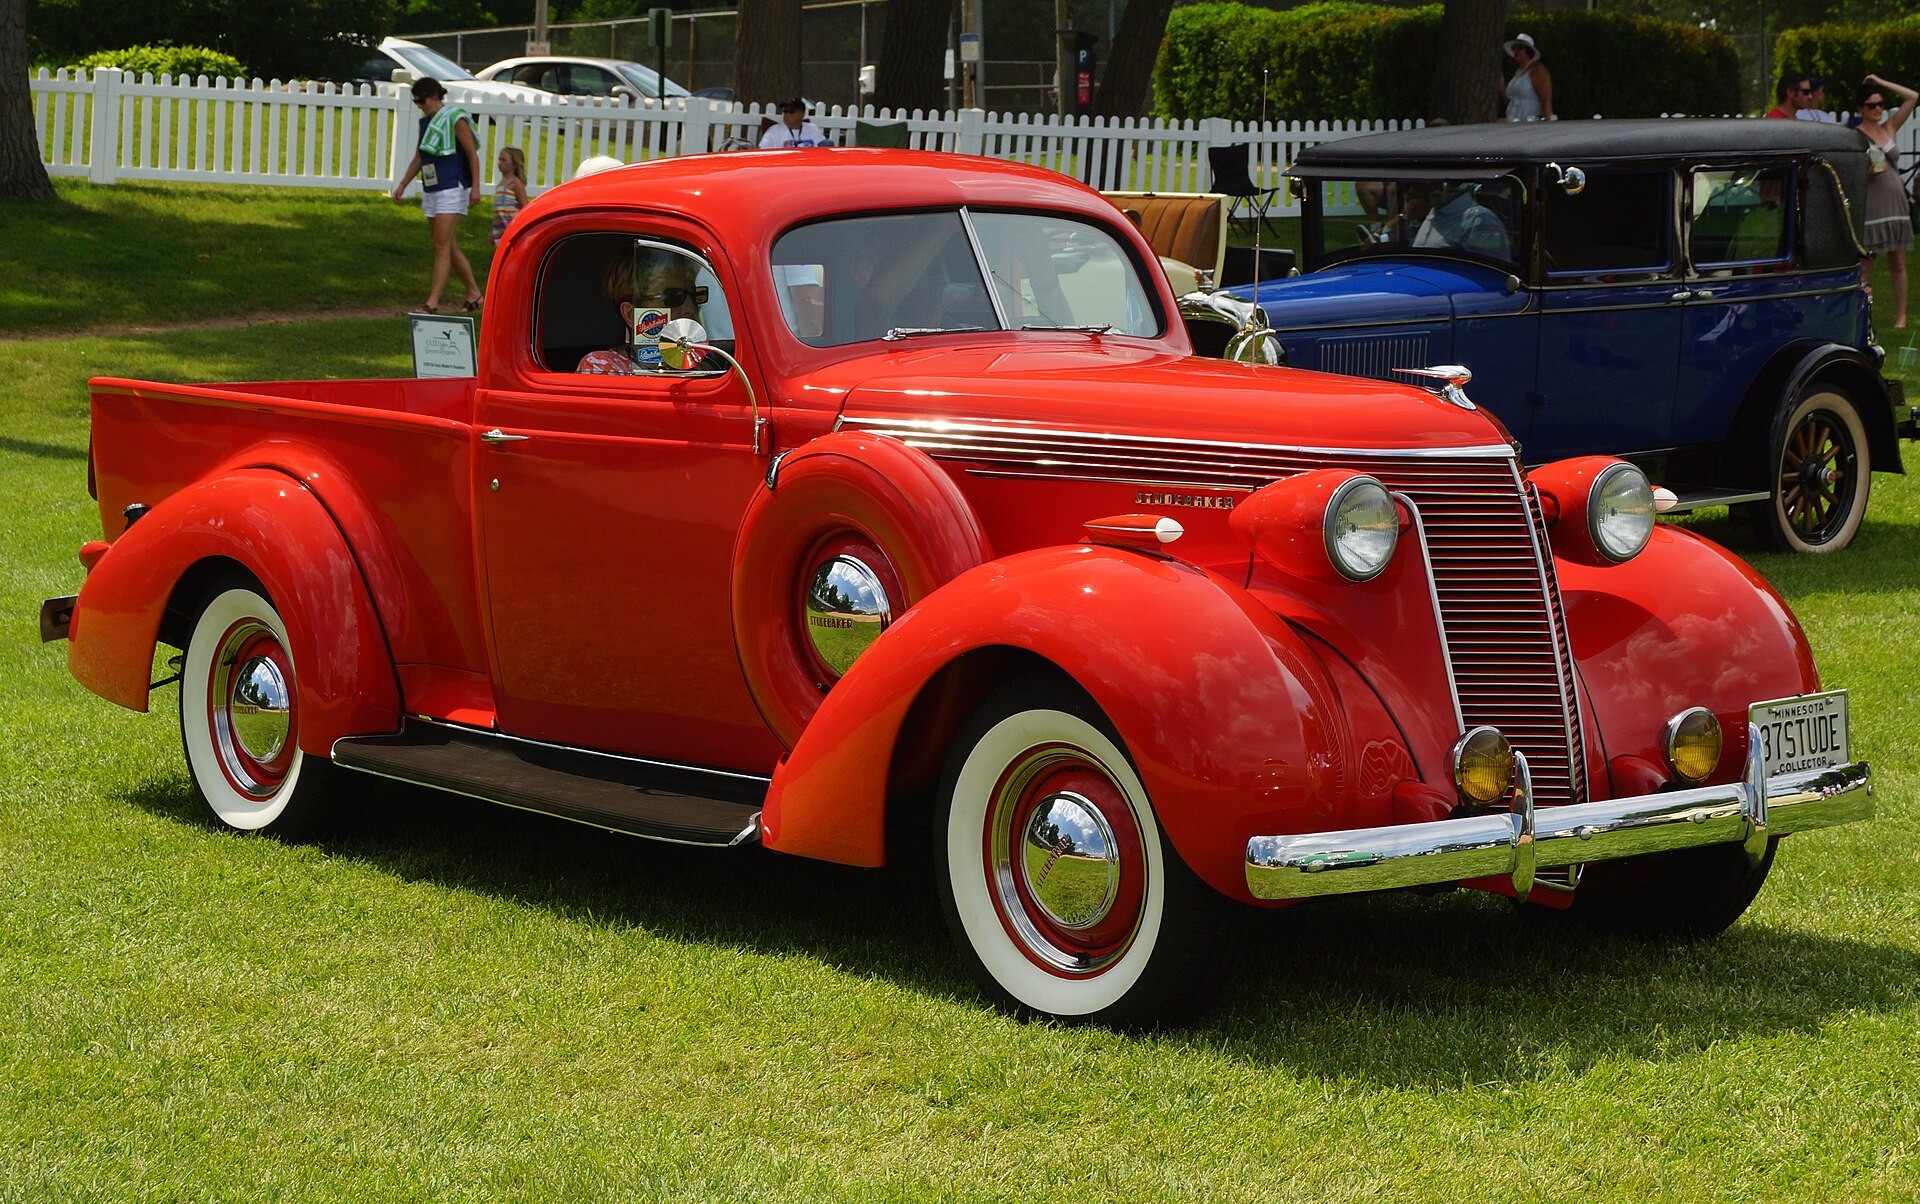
(1516, 844)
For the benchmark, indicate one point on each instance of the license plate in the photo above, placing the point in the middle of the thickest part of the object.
(1808, 732)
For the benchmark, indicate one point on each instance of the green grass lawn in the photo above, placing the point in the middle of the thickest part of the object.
(451, 1001)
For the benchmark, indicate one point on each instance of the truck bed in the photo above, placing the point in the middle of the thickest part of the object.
(411, 437)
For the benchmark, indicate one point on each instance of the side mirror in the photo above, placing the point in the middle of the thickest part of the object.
(400, 75)
(1571, 179)
(683, 344)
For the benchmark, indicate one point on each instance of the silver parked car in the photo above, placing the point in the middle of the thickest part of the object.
(570, 75)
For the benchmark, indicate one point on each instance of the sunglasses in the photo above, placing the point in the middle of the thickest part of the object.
(1873, 104)
(678, 296)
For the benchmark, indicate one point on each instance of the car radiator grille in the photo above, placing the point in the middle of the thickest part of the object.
(1377, 358)
(1498, 601)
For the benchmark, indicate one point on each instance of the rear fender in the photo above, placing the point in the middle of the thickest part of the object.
(1791, 370)
(1231, 721)
(269, 525)
(1685, 623)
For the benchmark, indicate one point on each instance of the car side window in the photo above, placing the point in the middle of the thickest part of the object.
(1619, 227)
(595, 289)
(1742, 217)
(592, 81)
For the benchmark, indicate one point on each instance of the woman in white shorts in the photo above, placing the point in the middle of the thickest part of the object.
(448, 164)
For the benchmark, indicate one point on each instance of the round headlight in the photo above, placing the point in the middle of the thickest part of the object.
(1692, 744)
(1362, 528)
(1482, 765)
(1620, 512)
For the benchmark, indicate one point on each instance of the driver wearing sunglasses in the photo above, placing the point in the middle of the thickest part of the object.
(660, 289)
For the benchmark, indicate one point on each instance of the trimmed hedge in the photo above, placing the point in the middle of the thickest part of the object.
(177, 61)
(1844, 54)
(1356, 61)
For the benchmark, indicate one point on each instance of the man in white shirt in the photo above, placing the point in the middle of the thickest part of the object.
(793, 128)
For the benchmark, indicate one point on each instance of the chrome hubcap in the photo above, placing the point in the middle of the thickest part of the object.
(847, 607)
(261, 710)
(1065, 861)
(1070, 862)
(250, 709)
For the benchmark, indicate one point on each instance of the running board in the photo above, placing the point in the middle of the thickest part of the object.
(681, 804)
(1700, 499)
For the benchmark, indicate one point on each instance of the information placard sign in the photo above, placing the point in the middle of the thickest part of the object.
(443, 345)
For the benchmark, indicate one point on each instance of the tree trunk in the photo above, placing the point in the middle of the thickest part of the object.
(1126, 86)
(766, 51)
(23, 177)
(913, 45)
(1467, 82)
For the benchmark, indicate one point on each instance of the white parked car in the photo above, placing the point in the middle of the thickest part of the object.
(572, 75)
(399, 61)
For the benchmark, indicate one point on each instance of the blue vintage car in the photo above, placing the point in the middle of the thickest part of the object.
(1684, 293)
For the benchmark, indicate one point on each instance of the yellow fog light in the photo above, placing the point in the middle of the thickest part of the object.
(1482, 765)
(1692, 744)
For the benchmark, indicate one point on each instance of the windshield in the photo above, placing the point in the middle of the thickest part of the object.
(1395, 217)
(899, 275)
(646, 82)
(426, 62)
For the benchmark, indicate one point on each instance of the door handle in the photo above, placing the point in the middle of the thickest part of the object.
(1682, 295)
(498, 436)
(1701, 294)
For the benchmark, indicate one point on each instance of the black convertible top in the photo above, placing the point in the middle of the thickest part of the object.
(1503, 145)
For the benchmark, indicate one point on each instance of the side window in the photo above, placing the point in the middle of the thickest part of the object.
(1741, 217)
(1619, 227)
(592, 81)
(601, 295)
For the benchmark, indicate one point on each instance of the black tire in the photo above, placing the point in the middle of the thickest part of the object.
(239, 718)
(1134, 939)
(1690, 894)
(1820, 471)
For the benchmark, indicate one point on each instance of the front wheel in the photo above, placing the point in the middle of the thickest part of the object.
(1059, 889)
(1820, 475)
(1689, 894)
(240, 717)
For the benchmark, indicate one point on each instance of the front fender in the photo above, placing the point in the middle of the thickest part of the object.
(1230, 719)
(1686, 623)
(273, 527)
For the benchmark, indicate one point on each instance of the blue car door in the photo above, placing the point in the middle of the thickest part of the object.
(1611, 307)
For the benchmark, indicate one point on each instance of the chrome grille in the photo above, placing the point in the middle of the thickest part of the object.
(1499, 605)
(1375, 357)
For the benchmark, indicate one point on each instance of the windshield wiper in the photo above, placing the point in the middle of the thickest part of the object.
(907, 332)
(1090, 328)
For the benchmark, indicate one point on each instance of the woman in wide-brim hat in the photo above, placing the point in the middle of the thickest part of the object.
(1530, 89)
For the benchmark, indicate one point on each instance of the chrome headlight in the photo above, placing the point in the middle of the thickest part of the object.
(1362, 528)
(1620, 512)
(1692, 742)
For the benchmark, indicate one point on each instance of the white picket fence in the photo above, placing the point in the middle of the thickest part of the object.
(109, 126)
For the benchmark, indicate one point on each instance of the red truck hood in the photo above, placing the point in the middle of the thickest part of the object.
(1078, 383)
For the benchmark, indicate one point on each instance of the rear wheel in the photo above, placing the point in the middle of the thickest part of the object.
(1060, 890)
(240, 720)
(1820, 475)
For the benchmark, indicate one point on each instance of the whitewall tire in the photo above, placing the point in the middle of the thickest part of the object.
(240, 714)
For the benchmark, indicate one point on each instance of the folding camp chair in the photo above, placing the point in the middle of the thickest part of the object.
(882, 133)
(1232, 177)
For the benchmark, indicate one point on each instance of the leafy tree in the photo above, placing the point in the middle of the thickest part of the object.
(1465, 80)
(910, 73)
(286, 39)
(23, 177)
(1126, 86)
(766, 51)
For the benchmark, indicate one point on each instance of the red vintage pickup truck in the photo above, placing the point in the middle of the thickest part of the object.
(868, 503)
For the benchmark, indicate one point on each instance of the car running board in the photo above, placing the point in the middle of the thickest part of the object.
(681, 804)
